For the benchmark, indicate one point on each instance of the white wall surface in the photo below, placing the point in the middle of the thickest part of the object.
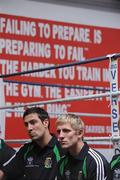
(60, 13)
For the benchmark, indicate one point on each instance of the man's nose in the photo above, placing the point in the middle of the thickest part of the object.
(61, 134)
(29, 127)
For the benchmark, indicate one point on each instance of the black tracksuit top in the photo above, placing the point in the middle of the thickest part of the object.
(6, 152)
(115, 167)
(34, 163)
(87, 165)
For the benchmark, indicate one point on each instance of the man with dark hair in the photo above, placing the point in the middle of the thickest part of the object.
(36, 160)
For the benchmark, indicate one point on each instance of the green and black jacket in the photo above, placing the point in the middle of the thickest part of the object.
(115, 167)
(34, 163)
(6, 152)
(87, 165)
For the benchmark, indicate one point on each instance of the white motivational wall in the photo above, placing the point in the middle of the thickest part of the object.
(60, 13)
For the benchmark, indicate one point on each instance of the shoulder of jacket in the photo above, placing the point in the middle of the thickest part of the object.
(25, 146)
(95, 156)
(2, 143)
(115, 156)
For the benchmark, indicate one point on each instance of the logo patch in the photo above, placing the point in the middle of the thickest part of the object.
(30, 160)
(48, 162)
(116, 174)
(67, 174)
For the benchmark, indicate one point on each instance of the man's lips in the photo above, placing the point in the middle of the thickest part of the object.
(63, 142)
(32, 134)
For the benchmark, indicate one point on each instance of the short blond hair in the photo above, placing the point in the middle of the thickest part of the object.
(75, 121)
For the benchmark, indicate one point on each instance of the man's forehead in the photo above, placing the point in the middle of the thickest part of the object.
(64, 125)
(31, 116)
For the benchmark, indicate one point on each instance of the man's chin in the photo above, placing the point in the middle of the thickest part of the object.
(64, 146)
(34, 138)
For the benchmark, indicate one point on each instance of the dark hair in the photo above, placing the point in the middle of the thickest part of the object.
(42, 114)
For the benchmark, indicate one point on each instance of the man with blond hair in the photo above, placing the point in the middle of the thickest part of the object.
(81, 162)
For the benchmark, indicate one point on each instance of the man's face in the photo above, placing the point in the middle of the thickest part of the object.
(67, 136)
(35, 126)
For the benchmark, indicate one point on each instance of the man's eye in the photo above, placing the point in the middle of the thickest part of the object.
(63, 130)
(26, 124)
(32, 122)
(66, 130)
(58, 131)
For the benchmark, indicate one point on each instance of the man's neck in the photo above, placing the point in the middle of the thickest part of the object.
(75, 150)
(44, 140)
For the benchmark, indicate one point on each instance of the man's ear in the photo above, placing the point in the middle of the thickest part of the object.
(80, 133)
(46, 123)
